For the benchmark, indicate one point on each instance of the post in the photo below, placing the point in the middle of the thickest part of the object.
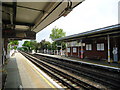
(81, 50)
(78, 50)
(57, 52)
(54, 52)
(108, 48)
(66, 54)
(61, 49)
(71, 50)
(47, 51)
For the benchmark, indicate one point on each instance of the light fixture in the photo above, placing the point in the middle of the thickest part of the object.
(67, 10)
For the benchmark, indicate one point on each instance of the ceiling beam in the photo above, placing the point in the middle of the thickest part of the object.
(7, 5)
(14, 11)
(18, 23)
(31, 8)
(11, 6)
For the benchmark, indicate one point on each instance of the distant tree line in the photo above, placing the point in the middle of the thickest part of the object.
(28, 46)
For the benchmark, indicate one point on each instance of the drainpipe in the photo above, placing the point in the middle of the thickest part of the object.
(108, 38)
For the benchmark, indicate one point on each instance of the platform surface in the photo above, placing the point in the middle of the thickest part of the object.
(97, 62)
(20, 72)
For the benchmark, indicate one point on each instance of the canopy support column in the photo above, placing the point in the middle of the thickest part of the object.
(108, 39)
(81, 50)
(78, 50)
(71, 50)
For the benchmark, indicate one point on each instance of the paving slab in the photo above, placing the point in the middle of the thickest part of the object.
(20, 72)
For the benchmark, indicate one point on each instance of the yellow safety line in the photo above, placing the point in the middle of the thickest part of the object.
(42, 76)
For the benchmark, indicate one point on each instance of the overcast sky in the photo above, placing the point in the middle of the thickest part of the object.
(90, 15)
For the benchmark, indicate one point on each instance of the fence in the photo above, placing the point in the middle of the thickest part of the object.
(52, 52)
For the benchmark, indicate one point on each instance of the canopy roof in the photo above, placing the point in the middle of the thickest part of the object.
(109, 30)
(31, 17)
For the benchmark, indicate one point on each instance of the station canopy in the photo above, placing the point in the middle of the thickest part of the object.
(22, 20)
(112, 31)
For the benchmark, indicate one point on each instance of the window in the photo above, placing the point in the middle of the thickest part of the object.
(74, 50)
(100, 47)
(88, 46)
(68, 49)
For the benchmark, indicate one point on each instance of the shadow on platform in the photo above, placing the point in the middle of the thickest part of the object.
(13, 76)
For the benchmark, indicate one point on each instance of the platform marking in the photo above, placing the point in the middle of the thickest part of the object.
(44, 76)
(41, 76)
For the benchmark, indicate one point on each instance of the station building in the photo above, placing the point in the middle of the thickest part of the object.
(99, 44)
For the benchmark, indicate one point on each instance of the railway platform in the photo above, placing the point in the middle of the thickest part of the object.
(98, 63)
(21, 73)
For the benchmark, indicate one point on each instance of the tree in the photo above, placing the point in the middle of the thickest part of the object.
(57, 33)
(54, 46)
(45, 45)
(13, 44)
(27, 46)
(35, 46)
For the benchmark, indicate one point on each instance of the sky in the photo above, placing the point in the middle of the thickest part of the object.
(90, 15)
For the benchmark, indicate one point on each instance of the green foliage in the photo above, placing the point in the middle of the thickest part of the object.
(57, 33)
(15, 47)
(27, 46)
(33, 45)
(13, 44)
(45, 45)
(22, 49)
(54, 46)
(63, 45)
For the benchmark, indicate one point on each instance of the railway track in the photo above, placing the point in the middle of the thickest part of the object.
(101, 77)
(104, 78)
(68, 81)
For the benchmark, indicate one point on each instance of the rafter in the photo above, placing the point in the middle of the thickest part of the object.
(19, 23)
(11, 6)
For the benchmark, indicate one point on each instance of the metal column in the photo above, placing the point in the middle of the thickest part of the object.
(81, 50)
(78, 50)
(108, 37)
(61, 50)
(66, 50)
(71, 50)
